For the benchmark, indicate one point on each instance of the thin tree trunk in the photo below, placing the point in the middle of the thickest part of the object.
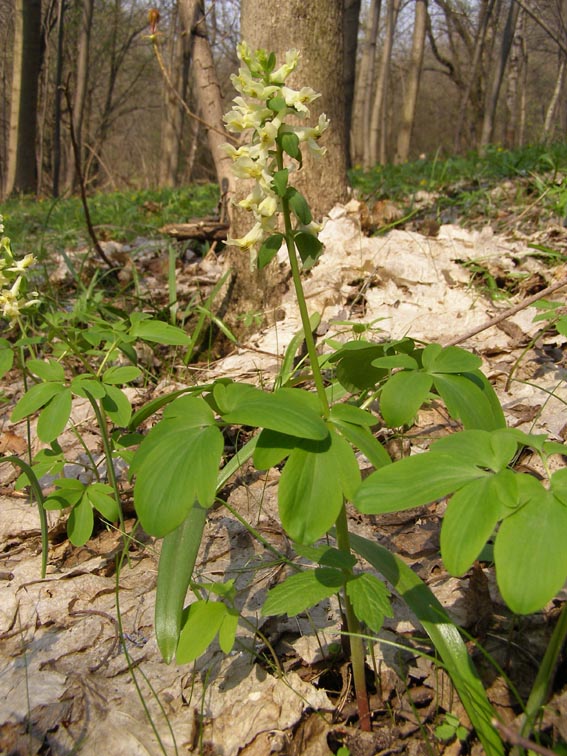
(22, 166)
(58, 98)
(513, 86)
(552, 107)
(351, 16)
(365, 84)
(375, 138)
(414, 76)
(493, 95)
(80, 91)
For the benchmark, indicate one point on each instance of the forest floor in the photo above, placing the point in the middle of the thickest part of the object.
(80, 670)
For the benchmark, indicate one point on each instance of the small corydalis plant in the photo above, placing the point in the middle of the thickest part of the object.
(13, 280)
(259, 113)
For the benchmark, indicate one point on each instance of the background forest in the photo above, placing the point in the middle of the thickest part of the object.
(433, 77)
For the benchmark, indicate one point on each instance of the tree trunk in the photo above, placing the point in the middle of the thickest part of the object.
(513, 95)
(22, 166)
(414, 76)
(376, 137)
(552, 107)
(207, 89)
(493, 95)
(58, 98)
(365, 84)
(351, 16)
(80, 91)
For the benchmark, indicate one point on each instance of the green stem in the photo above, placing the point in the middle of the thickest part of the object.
(300, 295)
(355, 641)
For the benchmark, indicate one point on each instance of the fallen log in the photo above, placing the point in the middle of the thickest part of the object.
(203, 229)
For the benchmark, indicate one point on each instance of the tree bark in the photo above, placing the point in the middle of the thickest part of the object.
(365, 84)
(351, 16)
(552, 107)
(80, 91)
(414, 76)
(58, 98)
(22, 166)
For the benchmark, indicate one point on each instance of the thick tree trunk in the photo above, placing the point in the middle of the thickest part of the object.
(412, 87)
(22, 166)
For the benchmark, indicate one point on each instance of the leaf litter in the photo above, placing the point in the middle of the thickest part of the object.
(69, 669)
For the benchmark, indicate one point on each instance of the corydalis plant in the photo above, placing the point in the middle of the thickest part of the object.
(260, 113)
(13, 279)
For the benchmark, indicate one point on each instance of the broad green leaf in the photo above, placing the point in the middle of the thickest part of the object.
(309, 248)
(471, 399)
(101, 497)
(370, 600)
(298, 205)
(201, 624)
(227, 631)
(280, 182)
(450, 359)
(413, 482)
(392, 361)
(471, 517)
(290, 144)
(81, 385)
(444, 634)
(117, 406)
(47, 370)
(363, 439)
(492, 450)
(402, 396)
(54, 416)
(348, 413)
(316, 477)
(530, 551)
(354, 365)
(302, 590)
(6, 361)
(176, 464)
(290, 411)
(341, 560)
(161, 333)
(558, 482)
(430, 354)
(80, 523)
(272, 448)
(120, 375)
(34, 398)
(269, 249)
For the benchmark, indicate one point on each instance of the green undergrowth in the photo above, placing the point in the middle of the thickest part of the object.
(464, 183)
(39, 225)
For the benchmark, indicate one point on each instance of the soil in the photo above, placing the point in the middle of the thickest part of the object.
(80, 669)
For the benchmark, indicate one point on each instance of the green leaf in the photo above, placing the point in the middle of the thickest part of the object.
(227, 630)
(444, 634)
(80, 523)
(363, 439)
(272, 448)
(176, 562)
(370, 600)
(354, 365)
(54, 416)
(351, 414)
(289, 142)
(529, 551)
(120, 375)
(34, 398)
(176, 464)
(117, 406)
(449, 359)
(413, 482)
(47, 370)
(202, 622)
(391, 361)
(290, 411)
(298, 205)
(309, 248)
(492, 450)
(162, 333)
(276, 104)
(269, 249)
(81, 385)
(471, 517)
(316, 477)
(302, 590)
(341, 560)
(101, 497)
(471, 399)
(402, 396)
(280, 182)
(6, 361)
